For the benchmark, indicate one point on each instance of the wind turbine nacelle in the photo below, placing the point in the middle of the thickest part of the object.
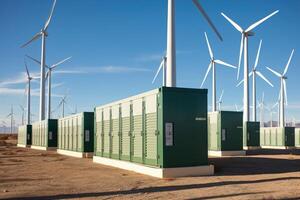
(250, 33)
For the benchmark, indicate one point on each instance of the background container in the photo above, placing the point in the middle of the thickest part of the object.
(225, 131)
(277, 137)
(251, 136)
(24, 135)
(165, 127)
(297, 137)
(44, 134)
(76, 132)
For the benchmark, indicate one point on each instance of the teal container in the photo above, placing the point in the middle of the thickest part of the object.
(278, 137)
(225, 131)
(165, 127)
(76, 132)
(251, 136)
(24, 135)
(44, 133)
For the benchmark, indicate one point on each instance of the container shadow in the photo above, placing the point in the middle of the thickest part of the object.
(274, 152)
(253, 165)
(154, 189)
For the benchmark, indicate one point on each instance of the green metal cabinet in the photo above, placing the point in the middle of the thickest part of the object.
(165, 127)
(225, 131)
(278, 137)
(251, 135)
(25, 135)
(44, 133)
(76, 132)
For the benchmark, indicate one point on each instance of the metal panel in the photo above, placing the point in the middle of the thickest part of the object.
(99, 132)
(297, 137)
(106, 132)
(137, 130)
(126, 130)
(213, 131)
(151, 129)
(115, 131)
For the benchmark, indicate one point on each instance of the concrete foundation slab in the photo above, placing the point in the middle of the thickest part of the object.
(277, 147)
(43, 148)
(251, 148)
(157, 172)
(226, 153)
(23, 145)
(75, 154)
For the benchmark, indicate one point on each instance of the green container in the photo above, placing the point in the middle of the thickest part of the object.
(165, 127)
(277, 137)
(297, 137)
(76, 132)
(44, 133)
(24, 135)
(251, 136)
(225, 131)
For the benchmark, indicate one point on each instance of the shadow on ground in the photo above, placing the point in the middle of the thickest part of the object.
(158, 189)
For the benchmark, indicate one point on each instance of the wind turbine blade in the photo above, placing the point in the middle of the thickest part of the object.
(50, 16)
(28, 75)
(274, 72)
(240, 56)
(250, 28)
(208, 69)
(47, 74)
(240, 83)
(264, 78)
(35, 37)
(263, 97)
(225, 64)
(221, 97)
(275, 105)
(288, 63)
(35, 60)
(158, 70)
(59, 63)
(233, 23)
(208, 45)
(200, 8)
(285, 92)
(236, 108)
(257, 56)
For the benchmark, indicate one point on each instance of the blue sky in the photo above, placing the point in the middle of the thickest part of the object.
(116, 47)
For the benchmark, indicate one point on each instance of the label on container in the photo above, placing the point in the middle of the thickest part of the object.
(28, 137)
(87, 135)
(50, 135)
(223, 134)
(169, 134)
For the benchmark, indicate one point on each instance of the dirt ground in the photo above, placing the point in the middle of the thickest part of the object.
(31, 174)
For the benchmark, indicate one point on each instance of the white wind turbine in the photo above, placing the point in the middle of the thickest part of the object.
(220, 101)
(244, 48)
(212, 66)
(162, 67)
(29, 79)
(283, 92)
(261, 106)
(43, 34)
(254, 73)
(48, 76)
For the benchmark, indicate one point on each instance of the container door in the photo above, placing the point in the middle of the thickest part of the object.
(125, 130)
(80, 135)
(74, 133)
(137, 130)
(213, 135)
(115, 131)
(106, 132)
(151, 130)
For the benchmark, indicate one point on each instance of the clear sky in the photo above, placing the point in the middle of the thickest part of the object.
(116, 47)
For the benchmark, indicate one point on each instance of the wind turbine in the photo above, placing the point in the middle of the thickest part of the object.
(4, 126)
(23, 113)
(162, 67)
(29, 79)
(244, 48)
(237, 109)
(283, 92)
(261, 106)
(212, 66)
(62, 104)
(49, 75)
(11, 115)
(43, 34)
(220, 101)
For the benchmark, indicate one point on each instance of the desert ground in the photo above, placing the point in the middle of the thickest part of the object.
(32, 174)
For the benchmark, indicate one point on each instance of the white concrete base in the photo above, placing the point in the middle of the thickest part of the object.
(251, 147)
(226, 153)
(43, 148)
(23, 145)
(277, 147)
(75, 154)
(157, 172)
